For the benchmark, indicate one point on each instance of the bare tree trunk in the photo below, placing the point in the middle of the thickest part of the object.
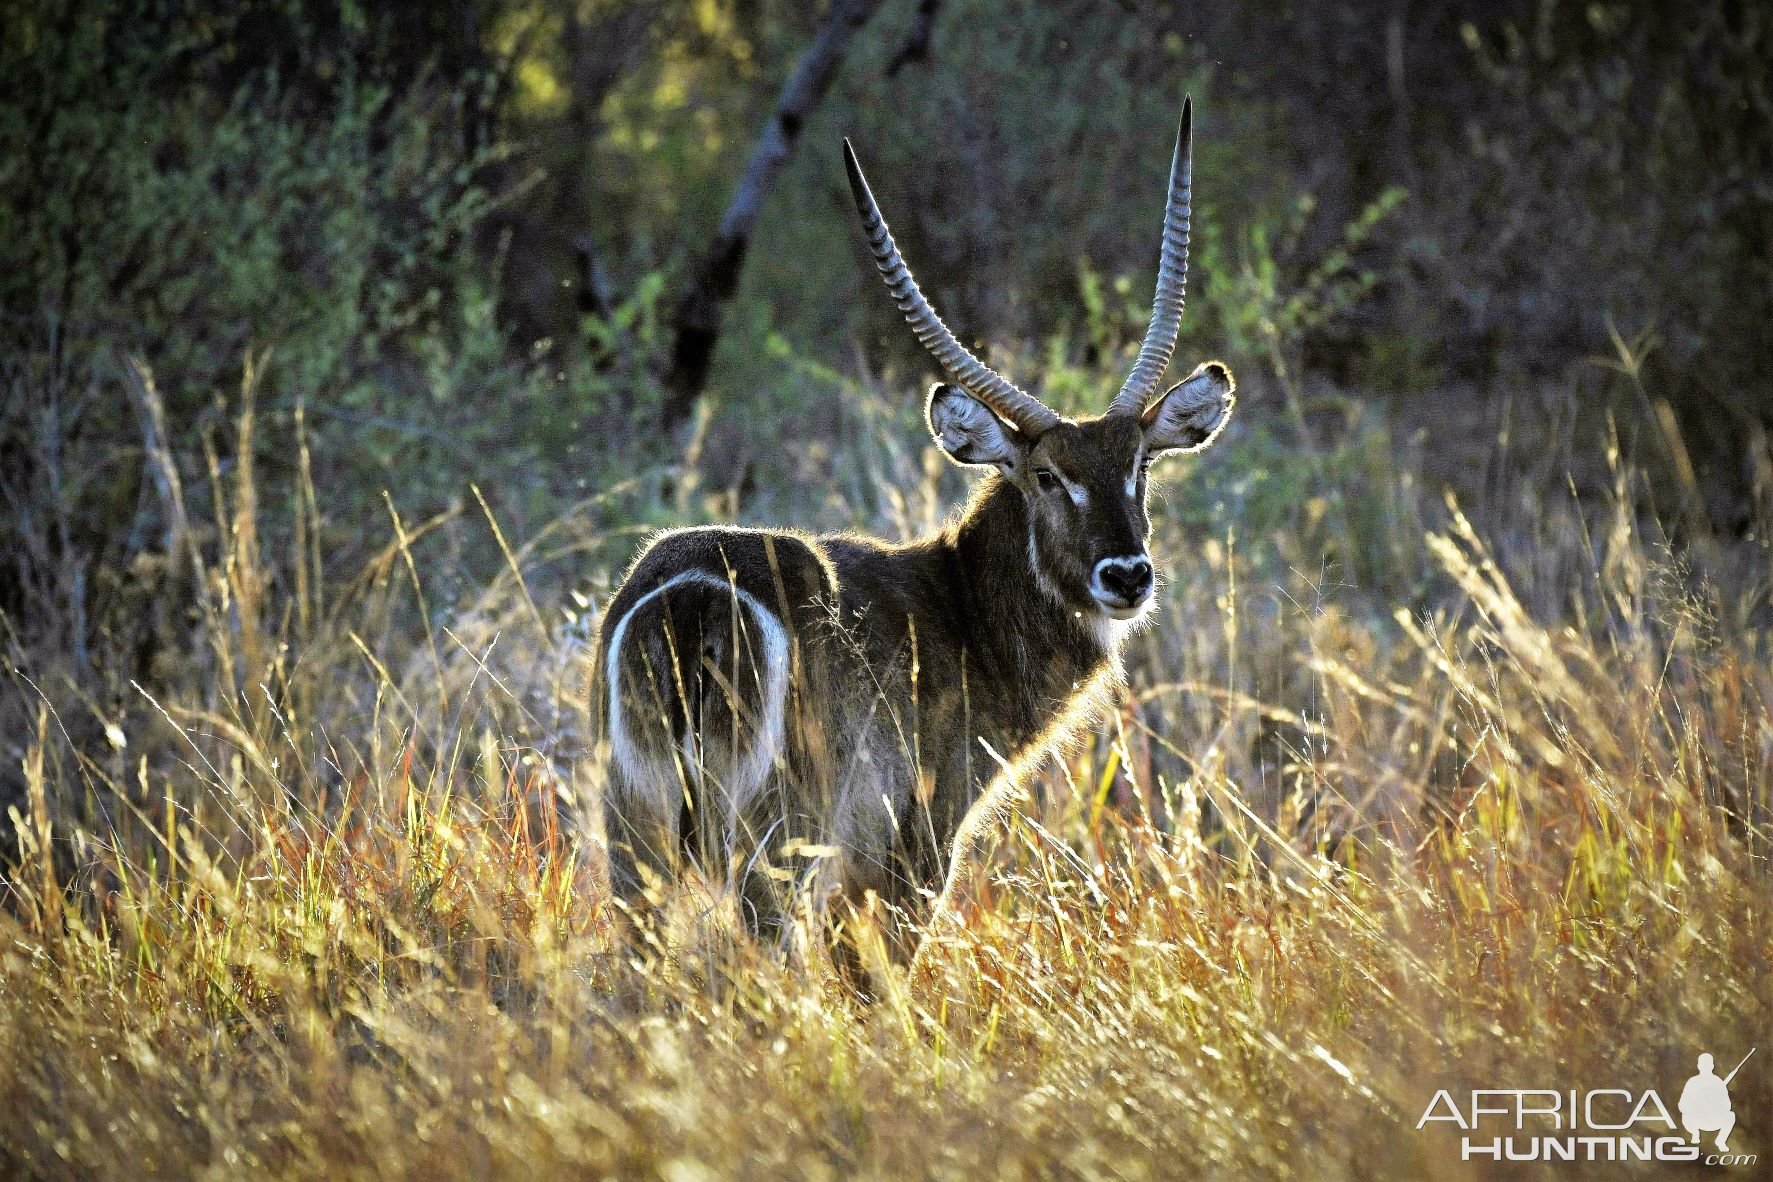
(717, 280)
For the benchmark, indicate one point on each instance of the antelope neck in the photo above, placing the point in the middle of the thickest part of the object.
(1025, 633)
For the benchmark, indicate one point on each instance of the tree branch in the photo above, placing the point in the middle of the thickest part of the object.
(916, 47)
(699, 312)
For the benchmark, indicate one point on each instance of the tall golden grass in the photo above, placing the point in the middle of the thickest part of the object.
(325, 907)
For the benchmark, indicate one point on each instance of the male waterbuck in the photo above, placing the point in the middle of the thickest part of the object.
(839, 714)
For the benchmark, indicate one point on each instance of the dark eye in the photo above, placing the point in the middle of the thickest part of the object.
(1048, 480)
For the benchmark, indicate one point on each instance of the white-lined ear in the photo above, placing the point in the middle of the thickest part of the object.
(1193, 412)
(966, 430)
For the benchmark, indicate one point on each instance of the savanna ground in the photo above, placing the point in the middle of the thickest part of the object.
(1447, 764)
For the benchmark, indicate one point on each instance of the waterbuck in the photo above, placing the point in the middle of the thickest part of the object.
(842, 715)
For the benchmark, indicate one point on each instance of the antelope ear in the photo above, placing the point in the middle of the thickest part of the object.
(966, 430)
(1193, 412)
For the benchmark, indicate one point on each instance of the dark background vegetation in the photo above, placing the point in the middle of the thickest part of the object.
(464, 242)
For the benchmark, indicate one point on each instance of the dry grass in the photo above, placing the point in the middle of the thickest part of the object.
(318, 911)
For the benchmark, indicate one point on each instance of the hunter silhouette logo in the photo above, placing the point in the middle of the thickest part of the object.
(1594, 1124)
(1705, 1103)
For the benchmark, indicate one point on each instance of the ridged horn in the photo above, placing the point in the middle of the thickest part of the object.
(1021, 410)
(1172, 277)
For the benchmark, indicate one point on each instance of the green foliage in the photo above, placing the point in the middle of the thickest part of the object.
(1270, 296)
(168, 201)
(388, 199)
(184, 223)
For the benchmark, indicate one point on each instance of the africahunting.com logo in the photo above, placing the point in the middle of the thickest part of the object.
(1605, 1124)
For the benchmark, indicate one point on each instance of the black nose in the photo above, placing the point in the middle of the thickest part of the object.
(1125, 579)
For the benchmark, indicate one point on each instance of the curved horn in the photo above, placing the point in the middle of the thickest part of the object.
(1022, 411)
(1172, 275)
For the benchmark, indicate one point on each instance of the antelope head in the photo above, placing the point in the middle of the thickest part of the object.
(1083, 481)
